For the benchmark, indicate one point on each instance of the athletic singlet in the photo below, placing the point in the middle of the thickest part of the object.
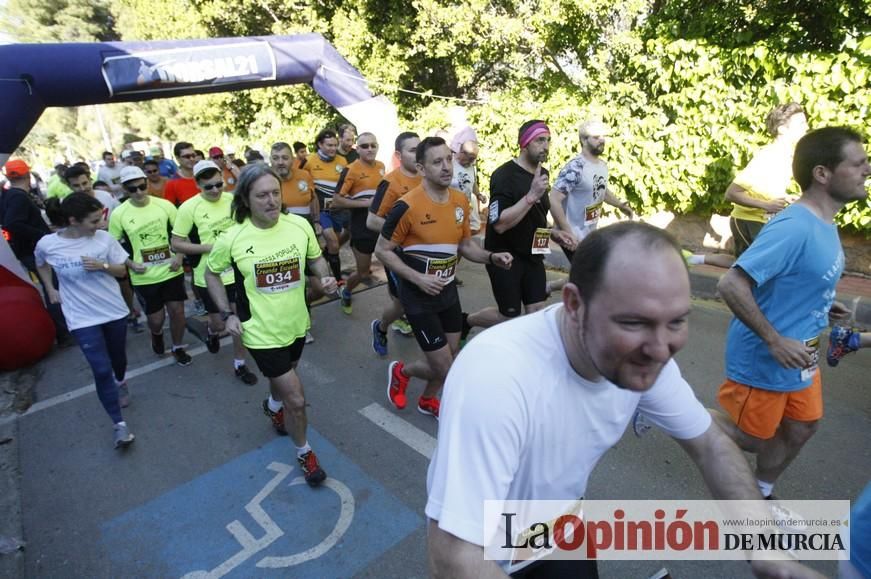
(395, 185)
(325, 175)
(297, 191)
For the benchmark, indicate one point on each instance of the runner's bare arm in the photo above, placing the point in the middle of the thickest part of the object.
(556, 209)
(217, 290)
(183, 245)
(374, 222)
(44, 272)
(738, 195)
(736, 287)
(450, 556)
(321, 269)
(620, 204)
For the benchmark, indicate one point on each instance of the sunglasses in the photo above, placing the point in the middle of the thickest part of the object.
(211, 186)
(367, 146)
(135, 188)
(188, 156)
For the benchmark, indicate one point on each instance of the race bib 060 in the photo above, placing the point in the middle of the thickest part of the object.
(277, 276)
(156, 255)
(443, 267)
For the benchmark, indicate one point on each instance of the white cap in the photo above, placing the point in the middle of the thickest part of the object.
(205, 165)
(131, 174)
(595, 128)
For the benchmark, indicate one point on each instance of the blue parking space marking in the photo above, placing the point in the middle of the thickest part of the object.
(255, 516)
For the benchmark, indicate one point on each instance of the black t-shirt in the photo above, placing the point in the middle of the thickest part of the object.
(22, 220)
(509, 184)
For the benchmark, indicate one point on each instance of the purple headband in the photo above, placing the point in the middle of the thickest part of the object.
(532, 132)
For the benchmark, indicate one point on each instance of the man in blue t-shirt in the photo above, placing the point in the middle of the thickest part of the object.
(782, 293)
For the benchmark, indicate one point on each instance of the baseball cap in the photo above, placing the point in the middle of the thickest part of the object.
(155, 150)
(205, 165)
(16, 168)
(216, 152)
(131, 174)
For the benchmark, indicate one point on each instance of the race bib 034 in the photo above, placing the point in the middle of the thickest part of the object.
(277, 276)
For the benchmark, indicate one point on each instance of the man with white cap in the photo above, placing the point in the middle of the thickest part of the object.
(199, 223)
(582, 187)
(143, 222)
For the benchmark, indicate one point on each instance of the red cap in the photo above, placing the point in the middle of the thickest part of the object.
(216, 152)
(16, 168)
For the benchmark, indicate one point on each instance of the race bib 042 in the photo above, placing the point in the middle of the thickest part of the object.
(443, 267)
(541, 241)
(277, 276)
(156, 255)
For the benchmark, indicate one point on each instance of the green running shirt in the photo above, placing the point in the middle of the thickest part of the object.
(146, 229)
(203, 221)
(269, 266)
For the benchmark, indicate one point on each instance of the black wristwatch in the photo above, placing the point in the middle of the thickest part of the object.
(226, 315)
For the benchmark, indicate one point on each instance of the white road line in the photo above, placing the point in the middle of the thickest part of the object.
(411, 435)
(84, 390)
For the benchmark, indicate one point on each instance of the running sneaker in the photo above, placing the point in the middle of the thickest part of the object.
(429, 406)
(842, 341)
(123, 436)
(246, 375)
(640, 426)
(213, 342)
(123, 394)
(397, 384)
(309, 339)
(311, 469)
(182, 358)
(157, 344)
(402, 326)
(345, 300)
(379, 339)
(276, 417)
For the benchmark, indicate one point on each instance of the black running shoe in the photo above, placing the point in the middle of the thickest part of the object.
(213, 342)
(157, 344)
(246, 375)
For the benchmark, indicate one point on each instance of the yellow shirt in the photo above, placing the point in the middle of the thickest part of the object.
(767, 176)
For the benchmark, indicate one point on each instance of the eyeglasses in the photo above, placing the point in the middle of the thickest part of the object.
(211, 186)
(135, 188)
(367, 146)
(188, 156)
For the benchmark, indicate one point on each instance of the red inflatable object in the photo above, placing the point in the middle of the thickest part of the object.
(26, 330)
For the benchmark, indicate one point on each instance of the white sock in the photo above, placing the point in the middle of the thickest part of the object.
(174, 348)
(122, 423)
(238, 363)
(273, 404)
(765, 487)
(301, 450)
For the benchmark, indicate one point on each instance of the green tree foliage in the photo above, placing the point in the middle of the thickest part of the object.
(685, 83)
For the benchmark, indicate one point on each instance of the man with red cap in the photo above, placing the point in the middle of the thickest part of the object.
(229, 170)
(23, 226)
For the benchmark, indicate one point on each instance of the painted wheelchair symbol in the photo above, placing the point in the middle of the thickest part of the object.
(251, 546)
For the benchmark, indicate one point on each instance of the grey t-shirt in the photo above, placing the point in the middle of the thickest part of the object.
(584, 182)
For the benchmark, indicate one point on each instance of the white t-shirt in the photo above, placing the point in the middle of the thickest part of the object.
(518, 423)
(584, 182)
(88, 298)
(464, 180)
(110, 176)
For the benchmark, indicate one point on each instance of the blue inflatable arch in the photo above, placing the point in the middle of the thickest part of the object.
(36, 76)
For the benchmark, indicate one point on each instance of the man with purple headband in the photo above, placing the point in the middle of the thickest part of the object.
(518, 224)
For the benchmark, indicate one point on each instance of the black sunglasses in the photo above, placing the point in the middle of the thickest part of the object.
(367, 146)
(211, 186)
(135, 188)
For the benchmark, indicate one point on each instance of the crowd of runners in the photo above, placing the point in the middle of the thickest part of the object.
(256, 243)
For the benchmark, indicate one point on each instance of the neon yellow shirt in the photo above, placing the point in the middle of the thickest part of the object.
(147, 230)
(766, 177)
(272, 262)
(203, 221)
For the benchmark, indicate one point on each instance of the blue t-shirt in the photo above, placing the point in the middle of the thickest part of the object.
(796, 262)
(167, 168)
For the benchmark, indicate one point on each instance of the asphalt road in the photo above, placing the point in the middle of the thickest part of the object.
(209, 487)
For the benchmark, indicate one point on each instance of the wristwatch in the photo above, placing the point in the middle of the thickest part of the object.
(226, 315)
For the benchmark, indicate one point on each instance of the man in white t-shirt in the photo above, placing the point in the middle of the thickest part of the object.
(110, 173)
(79, 180)
(582, 187)
(530, 408)
(465, 149)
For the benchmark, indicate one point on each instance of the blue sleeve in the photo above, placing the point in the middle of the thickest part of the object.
(774, 251)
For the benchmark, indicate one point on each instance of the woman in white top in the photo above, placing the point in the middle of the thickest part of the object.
(85, 260)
